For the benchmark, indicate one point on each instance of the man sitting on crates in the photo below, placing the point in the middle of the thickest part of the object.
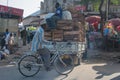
(37, 45)
(52, 21)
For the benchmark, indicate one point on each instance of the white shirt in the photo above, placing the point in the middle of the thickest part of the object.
(7, 38)
(37, 39)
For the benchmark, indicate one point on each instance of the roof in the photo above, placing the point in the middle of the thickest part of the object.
(37, 13)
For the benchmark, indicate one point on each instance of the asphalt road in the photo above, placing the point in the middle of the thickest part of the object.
(86, 71)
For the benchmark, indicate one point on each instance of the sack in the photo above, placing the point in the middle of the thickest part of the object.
(66, 15)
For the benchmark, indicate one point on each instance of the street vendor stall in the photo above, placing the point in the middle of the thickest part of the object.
(112, 35)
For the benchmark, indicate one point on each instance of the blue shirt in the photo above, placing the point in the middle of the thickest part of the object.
(106, 32)
(37, 39)
(59, 12)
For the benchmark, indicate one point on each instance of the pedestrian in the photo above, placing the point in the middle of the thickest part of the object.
(7, 36)
(3, 41)
(11, 43)
(28, 36)
(38, 45)
(23, 35)
(105, 37)
(52, 21)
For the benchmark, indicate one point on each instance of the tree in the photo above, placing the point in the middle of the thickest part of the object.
(101, 14)
(86, 2)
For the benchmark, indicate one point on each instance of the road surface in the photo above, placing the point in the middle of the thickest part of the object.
(85, 71)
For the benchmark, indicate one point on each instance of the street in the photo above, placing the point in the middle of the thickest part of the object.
(86, 71)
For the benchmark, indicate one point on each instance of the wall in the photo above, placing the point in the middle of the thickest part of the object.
(49, 5)
(11, 24)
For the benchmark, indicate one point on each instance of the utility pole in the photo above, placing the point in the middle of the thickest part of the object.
(107, 10)
(8, 14)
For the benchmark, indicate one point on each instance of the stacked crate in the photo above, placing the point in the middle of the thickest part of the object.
(48, 35)
(68, 30)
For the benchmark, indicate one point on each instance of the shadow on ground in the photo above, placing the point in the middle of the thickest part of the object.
(107, 70)
(116, 78)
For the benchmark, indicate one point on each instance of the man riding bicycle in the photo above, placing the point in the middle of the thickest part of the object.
(37, 45)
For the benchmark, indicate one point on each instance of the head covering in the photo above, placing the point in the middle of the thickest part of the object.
(43, 22)
(57, 5)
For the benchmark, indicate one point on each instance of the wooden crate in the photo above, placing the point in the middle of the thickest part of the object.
(48, 38)
(48, 33)
(71, 37)
(57, 35)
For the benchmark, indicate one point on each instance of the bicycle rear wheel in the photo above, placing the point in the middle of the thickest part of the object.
(64, 64)
(28, 65)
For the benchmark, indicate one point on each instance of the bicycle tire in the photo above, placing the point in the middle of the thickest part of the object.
(28, 60)
(64, 65)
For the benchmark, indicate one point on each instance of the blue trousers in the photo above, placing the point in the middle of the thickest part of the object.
(52, 22)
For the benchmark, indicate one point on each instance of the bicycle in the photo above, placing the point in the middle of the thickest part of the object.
(30, 65)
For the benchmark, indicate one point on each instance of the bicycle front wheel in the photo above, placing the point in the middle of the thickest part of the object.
(27, 66)
(64, 64)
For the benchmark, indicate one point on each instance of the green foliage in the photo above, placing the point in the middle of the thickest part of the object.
(96, 3)
(115, 2)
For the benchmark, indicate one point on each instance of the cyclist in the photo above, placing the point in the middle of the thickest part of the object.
(38, 45)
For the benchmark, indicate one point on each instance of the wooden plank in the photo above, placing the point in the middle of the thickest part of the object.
(48, 38)
(66, 27)
(48, 34)
(57, 32)
(64, 21)
(58, 35)
(58, 39)
(71, 32)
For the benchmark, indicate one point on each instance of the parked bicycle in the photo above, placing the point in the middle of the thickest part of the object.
(29, 65)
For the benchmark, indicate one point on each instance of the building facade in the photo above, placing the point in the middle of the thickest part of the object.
(49, 5)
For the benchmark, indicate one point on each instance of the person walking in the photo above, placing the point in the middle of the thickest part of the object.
(7, 36)
(11, 43)
(28, 36)
(23, 35)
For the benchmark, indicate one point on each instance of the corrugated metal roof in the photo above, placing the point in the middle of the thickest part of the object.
(37, 13)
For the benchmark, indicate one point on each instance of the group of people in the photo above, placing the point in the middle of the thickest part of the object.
(7, 43)
(111, 36)
(7, 40)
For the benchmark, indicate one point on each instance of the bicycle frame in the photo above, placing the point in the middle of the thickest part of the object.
(56, 54)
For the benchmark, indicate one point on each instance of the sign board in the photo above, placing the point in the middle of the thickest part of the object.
(11, 10)
(79, 8)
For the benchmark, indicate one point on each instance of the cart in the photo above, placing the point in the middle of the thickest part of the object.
(75, 49)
